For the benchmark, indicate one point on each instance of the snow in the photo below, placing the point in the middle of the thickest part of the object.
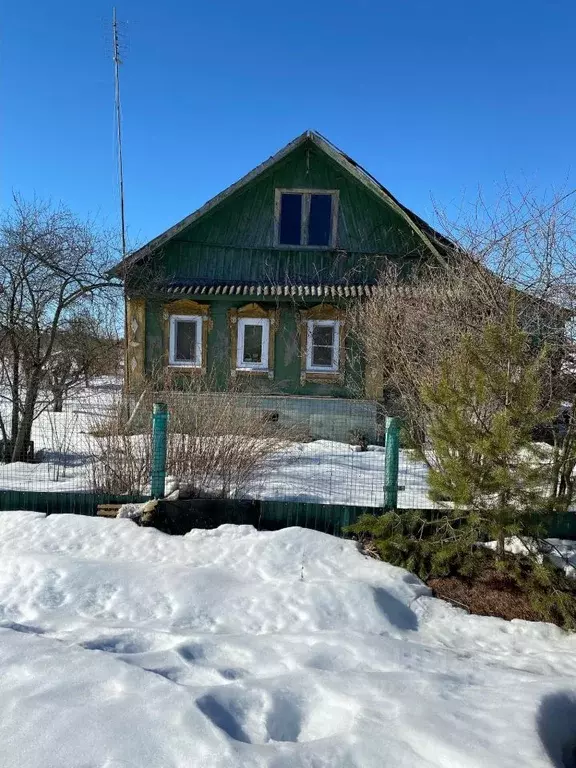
(130, 511)
(328, 472)
(518, 546)
(321, 471)
(121, 647)
(62, 442)
(560, 552)
(563, 554)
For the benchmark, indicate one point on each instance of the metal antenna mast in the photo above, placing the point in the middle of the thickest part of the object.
(117, 62)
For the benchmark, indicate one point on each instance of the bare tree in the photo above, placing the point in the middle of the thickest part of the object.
(520, 247)
(219, 445)
(53, 267)
(408, 325)
(83, 349)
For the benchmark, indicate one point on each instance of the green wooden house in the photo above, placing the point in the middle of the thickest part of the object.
(251, 289)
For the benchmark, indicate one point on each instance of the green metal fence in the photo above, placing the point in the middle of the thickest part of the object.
(313, 462)
(272, 515)
(65, 502)
(328, 518)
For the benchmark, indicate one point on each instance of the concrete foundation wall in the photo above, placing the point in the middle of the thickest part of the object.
(326, 418)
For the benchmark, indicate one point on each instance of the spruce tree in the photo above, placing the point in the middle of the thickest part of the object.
(482, 414)
(485, 470)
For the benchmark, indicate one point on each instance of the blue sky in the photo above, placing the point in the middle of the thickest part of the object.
(434, 98)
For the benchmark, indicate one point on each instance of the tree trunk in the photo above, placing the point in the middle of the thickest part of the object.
(567, 461)
(503, 499)
(15, 393)
(25, 427)
(58, 398)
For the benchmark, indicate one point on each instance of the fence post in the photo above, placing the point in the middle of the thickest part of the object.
(392, 461)
(159, 444)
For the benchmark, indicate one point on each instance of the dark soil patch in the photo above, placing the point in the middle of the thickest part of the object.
(490, 593)
(514, 586)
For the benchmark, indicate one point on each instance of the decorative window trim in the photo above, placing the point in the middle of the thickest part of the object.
(306, 192)
(174, 320)
(135, 358)
(322, 312)
(251, 312)
(186, 308)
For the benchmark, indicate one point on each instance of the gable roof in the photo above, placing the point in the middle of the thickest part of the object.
(427, 234)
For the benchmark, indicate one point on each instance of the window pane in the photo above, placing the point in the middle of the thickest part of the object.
(290, 219)
(186, 334)
(322, 345)
(320, 219)
(252, 344)
(322, 356)
(323, 335)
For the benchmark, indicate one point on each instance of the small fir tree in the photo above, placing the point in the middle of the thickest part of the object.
(483, 411)
(485, 469)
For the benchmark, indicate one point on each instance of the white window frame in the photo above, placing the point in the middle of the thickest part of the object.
(335, 349)
(241, 365)
(174, 319)
(306, 193)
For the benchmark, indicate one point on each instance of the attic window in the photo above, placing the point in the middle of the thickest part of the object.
(306, 217)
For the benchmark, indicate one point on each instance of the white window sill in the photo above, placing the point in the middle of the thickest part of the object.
(184, 365)
(253, 370)
(322, 370)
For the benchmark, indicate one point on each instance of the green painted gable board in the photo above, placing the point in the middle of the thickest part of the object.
(235, 241)
(366, 223)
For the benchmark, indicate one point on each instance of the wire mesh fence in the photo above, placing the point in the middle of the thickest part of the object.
(313, 461)
(305, 450)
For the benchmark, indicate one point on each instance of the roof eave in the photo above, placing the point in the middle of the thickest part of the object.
(152, 245)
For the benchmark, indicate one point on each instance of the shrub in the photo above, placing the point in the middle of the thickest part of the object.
(218, 445)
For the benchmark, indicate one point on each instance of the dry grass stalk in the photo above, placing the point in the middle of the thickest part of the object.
(218, 444)
(120, 462)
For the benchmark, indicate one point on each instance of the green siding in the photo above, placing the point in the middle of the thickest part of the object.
(236, 240)
(286, 352)
(235, 243)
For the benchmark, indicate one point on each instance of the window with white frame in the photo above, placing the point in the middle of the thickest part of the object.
(253, 343)
(323, 346)
(306, 217)
(185, 341)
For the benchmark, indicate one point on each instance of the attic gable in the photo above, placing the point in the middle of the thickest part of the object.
(431, 240)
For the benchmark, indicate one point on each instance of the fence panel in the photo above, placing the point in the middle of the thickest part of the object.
(62, 502)
(318, 462)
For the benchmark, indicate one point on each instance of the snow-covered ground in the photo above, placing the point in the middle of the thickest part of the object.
(62, 442)
(121, 647)
(321, 471)
(563, 555)
(327, 472)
